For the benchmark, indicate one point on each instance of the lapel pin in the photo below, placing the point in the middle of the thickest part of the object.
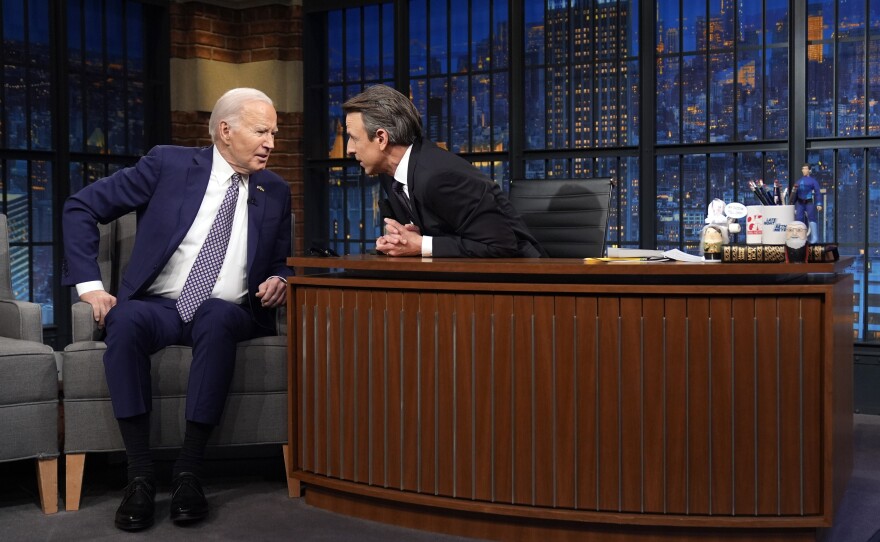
(260, 188)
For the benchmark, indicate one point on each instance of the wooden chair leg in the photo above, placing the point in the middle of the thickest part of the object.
(75, 465)
(47, 479)
(293, 488)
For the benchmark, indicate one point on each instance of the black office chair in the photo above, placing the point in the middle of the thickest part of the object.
(569, 217)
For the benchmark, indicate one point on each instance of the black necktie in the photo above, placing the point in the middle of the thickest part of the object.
(404, 200)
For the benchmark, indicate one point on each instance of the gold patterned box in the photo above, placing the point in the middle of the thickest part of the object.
(775, 253)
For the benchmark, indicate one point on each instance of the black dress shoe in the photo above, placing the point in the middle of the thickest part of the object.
(137, 509)
(188, 501)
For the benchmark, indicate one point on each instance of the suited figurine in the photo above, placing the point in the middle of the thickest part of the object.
(207, 270)
(443, 205)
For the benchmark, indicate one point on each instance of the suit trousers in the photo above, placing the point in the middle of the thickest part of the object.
(137, 328)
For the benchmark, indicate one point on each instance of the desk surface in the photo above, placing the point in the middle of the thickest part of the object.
(562, 266)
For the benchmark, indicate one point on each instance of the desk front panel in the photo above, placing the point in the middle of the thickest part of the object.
(700, 404)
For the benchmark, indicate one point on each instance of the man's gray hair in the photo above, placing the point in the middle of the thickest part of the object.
(383, 107)
(228, 108)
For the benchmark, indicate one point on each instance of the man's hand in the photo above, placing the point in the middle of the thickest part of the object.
(400, 240)
(101, 303)
(272, 292)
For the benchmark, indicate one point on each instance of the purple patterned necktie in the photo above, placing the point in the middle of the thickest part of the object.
(205, 269)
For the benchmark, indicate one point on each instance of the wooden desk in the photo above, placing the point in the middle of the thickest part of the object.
(518, 399)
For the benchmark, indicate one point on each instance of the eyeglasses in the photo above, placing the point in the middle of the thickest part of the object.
(322, 252)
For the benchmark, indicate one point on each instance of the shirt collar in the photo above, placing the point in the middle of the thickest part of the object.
(400, 172)
(221, 171)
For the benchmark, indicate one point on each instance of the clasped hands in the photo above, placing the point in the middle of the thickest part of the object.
(399, 239)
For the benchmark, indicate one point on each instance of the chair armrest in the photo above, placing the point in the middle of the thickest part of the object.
(83, 325)
(21, 320)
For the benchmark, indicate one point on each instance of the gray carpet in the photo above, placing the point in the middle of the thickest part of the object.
(252, 503)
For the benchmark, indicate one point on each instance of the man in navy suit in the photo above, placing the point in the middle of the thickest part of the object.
(177, 192)
(444, 206)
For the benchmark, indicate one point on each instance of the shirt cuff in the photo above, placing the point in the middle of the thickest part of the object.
(427, 246)
(90, 286)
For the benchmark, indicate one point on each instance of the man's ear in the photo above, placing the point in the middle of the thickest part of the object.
(382, 138)
(224, 131)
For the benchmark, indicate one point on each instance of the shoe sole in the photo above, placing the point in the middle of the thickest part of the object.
(134, 526)
(187, 517)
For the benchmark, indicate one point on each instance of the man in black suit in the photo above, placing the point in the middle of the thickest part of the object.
(207, 270)
(445, 207)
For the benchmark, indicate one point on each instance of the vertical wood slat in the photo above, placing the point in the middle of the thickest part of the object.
(790, 389)
(393, 371)
(483, 362)
(544, 363)
(463, 468)
(813, 390)
(366, 313)
(565, 383)
(653, 405)
(445, 400)
(698, 405)
(608, 405)
(767, 422)
(348, 382)
(377, 391)
(504, 397)
(410, 392)
(335, 352)
(675, 324)
(596, 402)
(631, 412)
(523, 488)
(745, 347)
(427, 414)
(586, 413)
(721, 405)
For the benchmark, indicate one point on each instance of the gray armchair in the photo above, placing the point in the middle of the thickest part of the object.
(255, 413)
(28, 385)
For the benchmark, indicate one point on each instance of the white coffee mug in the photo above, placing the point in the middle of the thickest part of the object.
(754, 224)
(776, 218)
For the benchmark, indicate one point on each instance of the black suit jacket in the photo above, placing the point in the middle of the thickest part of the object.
(465, 212)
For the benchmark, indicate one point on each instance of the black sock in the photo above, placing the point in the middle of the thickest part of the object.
(193, 452)
(136, 436)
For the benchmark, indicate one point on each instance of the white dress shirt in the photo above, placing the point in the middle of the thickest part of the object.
(400, 176)
(231, 283)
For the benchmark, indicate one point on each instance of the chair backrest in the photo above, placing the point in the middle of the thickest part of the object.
(569, 217)
(5, 273)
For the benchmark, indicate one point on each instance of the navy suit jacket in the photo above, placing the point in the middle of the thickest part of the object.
(465, 211)
(166, 188)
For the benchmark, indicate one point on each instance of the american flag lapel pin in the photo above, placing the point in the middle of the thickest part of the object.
(260, 188)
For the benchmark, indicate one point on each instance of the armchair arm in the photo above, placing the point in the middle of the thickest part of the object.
(21, 320)
(83, 325)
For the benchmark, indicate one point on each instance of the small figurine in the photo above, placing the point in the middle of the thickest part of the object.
(712, 239)
(796, 242)
(805, 195)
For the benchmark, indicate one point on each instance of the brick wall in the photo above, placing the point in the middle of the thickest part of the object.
(221, 34)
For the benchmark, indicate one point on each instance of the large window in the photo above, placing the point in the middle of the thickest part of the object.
(65, 124)
(843, 122)
(697, 102)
